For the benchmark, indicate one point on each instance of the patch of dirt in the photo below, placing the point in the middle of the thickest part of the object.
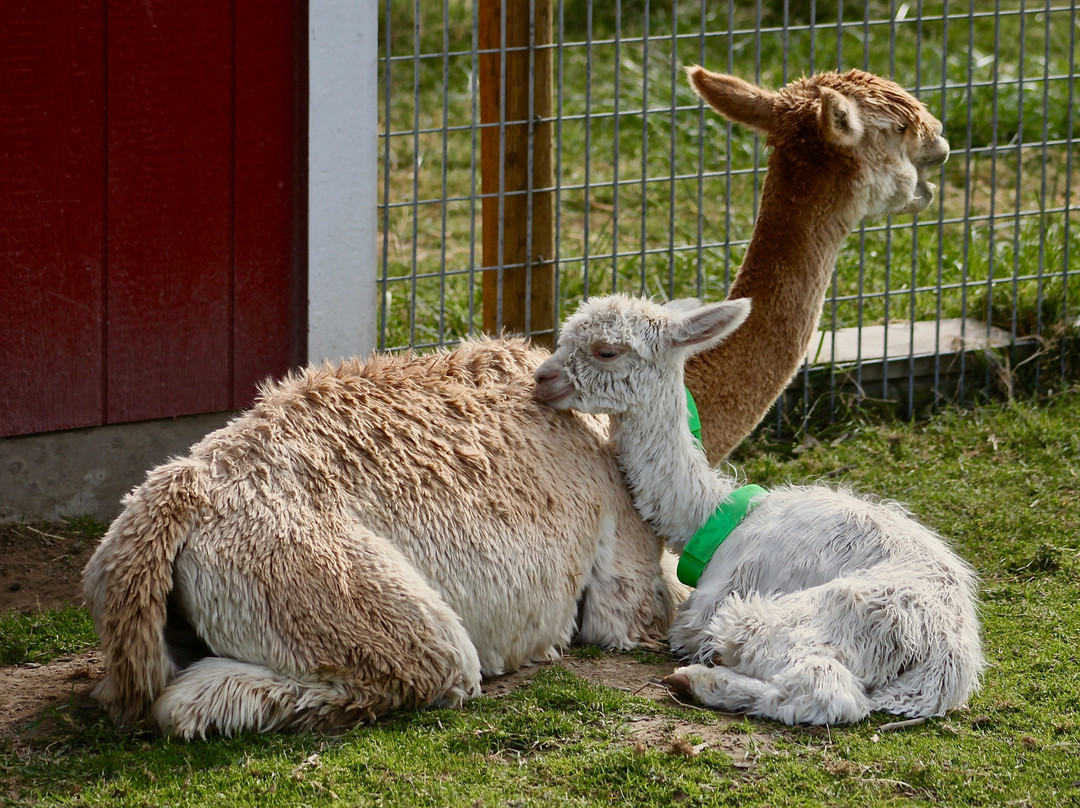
(41, 568)
(679, 736)
(622, 671)
(35, 696)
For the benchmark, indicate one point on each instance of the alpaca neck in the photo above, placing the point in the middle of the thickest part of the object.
(673, 486)
(806, 212)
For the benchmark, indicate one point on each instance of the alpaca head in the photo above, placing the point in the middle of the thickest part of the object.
(619, 352)
(880, 138)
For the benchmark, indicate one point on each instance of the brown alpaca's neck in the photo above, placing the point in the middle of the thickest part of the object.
(806, 212)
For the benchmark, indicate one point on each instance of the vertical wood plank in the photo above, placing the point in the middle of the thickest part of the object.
(528, 292)
(269, 322)
(170, 223)
(52, 173)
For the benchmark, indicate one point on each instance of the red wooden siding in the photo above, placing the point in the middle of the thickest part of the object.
(271, 186)
(52, 205)
(151, 208)
(170, 203)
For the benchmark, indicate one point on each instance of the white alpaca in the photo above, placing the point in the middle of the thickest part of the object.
(819, 607)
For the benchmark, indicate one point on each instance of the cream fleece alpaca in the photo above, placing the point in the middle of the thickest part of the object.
(369, 536)
(820, 606)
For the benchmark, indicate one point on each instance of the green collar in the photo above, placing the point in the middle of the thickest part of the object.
(704, 544)
(728, 514)
(692, 417)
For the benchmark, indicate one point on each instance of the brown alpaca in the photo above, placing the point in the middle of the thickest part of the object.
(382, 534)
(844, 147)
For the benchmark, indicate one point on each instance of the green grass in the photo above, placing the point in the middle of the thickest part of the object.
(87, 525)
(996, 82)
(43, 636)
(1001, 482)
(40, 636)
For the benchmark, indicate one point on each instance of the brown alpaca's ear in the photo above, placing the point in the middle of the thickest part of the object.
(737, 100)
(840, 121)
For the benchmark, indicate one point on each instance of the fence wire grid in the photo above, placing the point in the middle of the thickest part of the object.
(654, 194)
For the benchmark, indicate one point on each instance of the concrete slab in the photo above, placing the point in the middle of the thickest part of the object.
(903, 340)
(908, 367)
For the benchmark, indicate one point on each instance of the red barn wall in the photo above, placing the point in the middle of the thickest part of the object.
(151, 207)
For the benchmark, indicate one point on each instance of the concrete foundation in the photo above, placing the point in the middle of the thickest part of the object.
(87, 471)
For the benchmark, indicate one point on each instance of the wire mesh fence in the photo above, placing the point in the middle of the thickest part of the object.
(654, 194)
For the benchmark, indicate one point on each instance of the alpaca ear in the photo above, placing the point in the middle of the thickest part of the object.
(683, 304)
(735, 99)
(839, 118)
(709, 325)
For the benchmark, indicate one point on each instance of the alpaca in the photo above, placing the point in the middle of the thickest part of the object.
(382, 534)
(845, 147)
(369, 536)
(818, 607)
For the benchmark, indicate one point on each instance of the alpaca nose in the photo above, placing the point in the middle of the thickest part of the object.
(941, 153)
(545, 373)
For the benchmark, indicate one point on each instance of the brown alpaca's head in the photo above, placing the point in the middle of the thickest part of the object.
(868, 130)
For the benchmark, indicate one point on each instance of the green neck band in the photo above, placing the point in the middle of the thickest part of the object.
(692, 417)
(704, 544)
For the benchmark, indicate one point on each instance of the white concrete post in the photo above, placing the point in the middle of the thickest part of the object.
(343, 123)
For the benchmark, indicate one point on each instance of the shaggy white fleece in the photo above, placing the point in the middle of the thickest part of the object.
(820, 606)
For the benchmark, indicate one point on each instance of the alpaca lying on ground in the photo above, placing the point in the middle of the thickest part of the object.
(819, 607)
(382, 534)
(369, 536)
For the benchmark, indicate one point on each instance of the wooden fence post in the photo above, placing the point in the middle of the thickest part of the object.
(528, 287)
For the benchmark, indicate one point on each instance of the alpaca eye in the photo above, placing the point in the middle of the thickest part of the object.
(901, 128)
(605, 352)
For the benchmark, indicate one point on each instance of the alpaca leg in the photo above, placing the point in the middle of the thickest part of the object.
(945, 660)
(705, 632)
(754, 634)
(689, 629)
(322, 633)
(774, 661)
(720, 688)
(631, 594)
(939, 682)
(814, 690)
(223, 696)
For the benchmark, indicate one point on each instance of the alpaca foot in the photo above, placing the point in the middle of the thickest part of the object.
(467, 687)
(679, 685)
(719, 687)
(814, 690)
